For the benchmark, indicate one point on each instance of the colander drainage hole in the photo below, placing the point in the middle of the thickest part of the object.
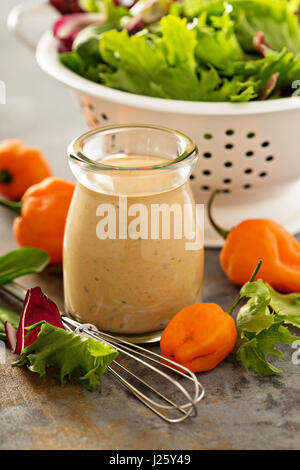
(206, 172)
(250, 153)
(227, 181)
(228, 164)
(104, 117)
(248, 171)
(270, 158)
(265, 144)
(229, 146)
(247, 186)
(207, 155)
(205, 188)
(208, 136)
(229, 132)
(250, 135)
(263, 174)
(192, 177)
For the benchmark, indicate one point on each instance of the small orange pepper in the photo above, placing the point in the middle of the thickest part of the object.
(264, 239)
(44, 210)
(21, 166)
(199, 337)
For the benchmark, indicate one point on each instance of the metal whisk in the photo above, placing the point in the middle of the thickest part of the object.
(133, 366)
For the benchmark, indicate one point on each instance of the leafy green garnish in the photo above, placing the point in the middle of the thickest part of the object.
(11, 317)
(78, 358)
(286, 306)
(165, 65)
(22, 261)
(273, 17)
(254, 316)
(216, 35)
(254, 351)
(260, 325)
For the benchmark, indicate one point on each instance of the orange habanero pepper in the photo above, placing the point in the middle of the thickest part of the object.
(264, 239)
(21, 166)
(44, 210)
(199, 337)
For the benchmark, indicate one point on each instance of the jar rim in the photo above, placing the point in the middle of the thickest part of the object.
(75, 149)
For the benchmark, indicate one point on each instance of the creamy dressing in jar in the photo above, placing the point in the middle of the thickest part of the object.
(131, 282)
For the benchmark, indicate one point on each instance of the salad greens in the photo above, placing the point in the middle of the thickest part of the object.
(81, 359)
(195, 50)
(262, 323)
(39, 336)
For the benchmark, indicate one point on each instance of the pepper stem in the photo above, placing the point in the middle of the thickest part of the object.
(223, 232)
(5, 177)
(15, 207)
(236, 301)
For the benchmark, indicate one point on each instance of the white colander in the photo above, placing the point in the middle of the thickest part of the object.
(250, 150)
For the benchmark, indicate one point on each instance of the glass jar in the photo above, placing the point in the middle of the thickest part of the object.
(133, 250)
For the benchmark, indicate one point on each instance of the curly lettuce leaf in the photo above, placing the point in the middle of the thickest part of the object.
(260, 324)
(272, 17)
(253, 352)
(286, 307)
(166, 66)
(275, 18)
(255, 315)
(217, 42)
(150, 65)
(259, 71)
(78, 358)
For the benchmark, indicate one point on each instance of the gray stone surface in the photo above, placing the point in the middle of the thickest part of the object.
(240, 411)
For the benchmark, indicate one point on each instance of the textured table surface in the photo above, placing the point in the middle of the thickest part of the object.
(240, 411)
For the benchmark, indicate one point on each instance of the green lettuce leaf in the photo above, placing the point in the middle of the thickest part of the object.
(217, 43)
(151, 65)
(77, 357)
(166, 66)
(255, 315)
(272, 17)
(260, 325)
(253, 352)
(260, 70)
(286, 307)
